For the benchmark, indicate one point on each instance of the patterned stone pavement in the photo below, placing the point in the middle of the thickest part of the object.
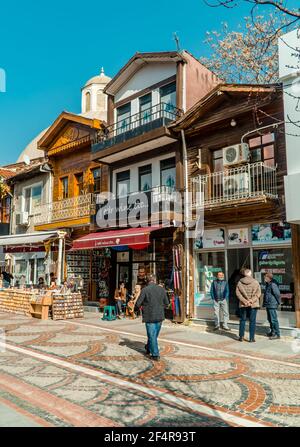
(93, 373)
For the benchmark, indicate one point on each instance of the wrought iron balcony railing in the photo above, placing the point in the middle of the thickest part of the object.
(61, 210)
(253, 180)
(149, 119)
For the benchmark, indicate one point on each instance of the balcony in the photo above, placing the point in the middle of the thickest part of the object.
(63, 213)
(145, 130)
(161, 205)
(249, 184)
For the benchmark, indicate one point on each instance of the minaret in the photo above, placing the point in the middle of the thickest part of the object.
(93, 99)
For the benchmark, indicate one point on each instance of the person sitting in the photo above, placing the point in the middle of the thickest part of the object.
(120, 298)
(41, 283)
(132, 300)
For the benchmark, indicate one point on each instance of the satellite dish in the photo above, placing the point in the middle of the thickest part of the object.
(26, 160)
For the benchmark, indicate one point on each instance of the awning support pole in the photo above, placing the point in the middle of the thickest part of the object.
(60, 258)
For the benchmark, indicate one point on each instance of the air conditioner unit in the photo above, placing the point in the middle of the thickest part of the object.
(236, 185)
(22, 218)
(238, 153)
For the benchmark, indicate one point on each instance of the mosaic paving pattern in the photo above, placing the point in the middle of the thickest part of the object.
(260, 391)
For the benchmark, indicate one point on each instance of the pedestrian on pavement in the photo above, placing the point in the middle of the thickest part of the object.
(154, 300)
(219, 293)
(120, 298)
(248, 292)
(7, 278)
(271, 303)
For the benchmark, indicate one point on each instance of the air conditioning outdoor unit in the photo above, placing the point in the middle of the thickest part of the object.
(236, 184)
(238, 153)
(22, 219)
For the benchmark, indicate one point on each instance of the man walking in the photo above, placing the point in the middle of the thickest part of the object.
(153, 299)
(219, 293)
(271, 303)
(248, 292)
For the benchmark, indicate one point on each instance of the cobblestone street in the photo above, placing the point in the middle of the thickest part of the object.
(94, 373)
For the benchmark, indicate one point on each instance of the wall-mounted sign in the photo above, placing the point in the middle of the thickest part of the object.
(273, 233)
(238, 236)
(214, 238)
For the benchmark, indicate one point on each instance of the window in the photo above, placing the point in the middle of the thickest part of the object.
(97, 180)
(168, 97)
(168, 172)
(123, 183)
(32, 198)
(217, 160)
(123, 118)
(262, 148)
(145, 108)
(65, 187)
(87, 102)
(145, 178)
(79, 184)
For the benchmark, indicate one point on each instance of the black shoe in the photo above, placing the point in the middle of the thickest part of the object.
(156, 358)
(241, 338)
(275, 337)
(147, 349)
(252, 341)
(270, 334)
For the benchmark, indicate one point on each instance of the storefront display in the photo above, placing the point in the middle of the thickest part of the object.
(42, 303)
(279, 262)
(255, 247)
(78, 265)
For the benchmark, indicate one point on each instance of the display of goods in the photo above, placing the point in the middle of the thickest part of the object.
(78, 264)
(16, 301)
(67, 306)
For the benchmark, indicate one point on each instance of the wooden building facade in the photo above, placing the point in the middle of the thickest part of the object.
(236, 166)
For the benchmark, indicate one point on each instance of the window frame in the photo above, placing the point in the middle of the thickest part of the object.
(62, 187)
(261, 146)
(30, 188)
(126, 179)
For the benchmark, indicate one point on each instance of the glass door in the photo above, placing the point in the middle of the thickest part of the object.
(237, 259)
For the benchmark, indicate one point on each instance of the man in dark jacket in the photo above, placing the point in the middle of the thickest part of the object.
(219, 293)
(271, 303)
(153, 300)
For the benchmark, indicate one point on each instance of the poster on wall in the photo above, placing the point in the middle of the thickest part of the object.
(207, 275)
(214, 238)
(238, 236)
(273, 233)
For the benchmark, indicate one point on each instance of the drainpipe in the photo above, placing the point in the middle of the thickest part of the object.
(186, 222)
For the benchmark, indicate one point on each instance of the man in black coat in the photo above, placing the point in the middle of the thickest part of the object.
(153, 300)
(271, 303)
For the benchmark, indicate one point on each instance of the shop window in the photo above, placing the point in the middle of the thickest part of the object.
(96, 180)
(145, 178)
(168, 172)
(279, 262)
(65, 187)
(123, 183)
(262, 148)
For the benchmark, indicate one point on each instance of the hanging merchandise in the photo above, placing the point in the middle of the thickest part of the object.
(173, 304)
(177, 279)
(177, 305)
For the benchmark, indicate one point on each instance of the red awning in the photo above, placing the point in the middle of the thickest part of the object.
(136, 238)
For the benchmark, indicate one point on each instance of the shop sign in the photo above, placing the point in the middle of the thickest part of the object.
(214, 238)
(238, 236)
(273, 233)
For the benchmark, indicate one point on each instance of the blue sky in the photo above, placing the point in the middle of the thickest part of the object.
(49, 50)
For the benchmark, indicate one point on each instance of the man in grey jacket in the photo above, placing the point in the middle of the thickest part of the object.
(153, 300)
(248, 292)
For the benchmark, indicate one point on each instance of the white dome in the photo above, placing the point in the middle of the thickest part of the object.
(99, 79)
(31, 151)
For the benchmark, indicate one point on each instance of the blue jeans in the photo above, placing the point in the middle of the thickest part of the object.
(273, 320)
(247, 312)
(153, 330)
